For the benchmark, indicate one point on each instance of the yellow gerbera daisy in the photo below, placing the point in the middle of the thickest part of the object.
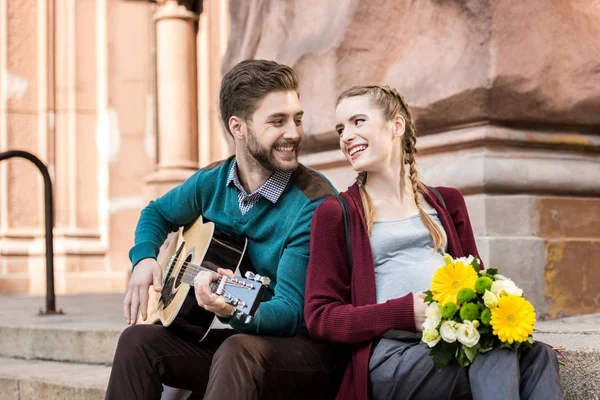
(513, 319)
(449, 280)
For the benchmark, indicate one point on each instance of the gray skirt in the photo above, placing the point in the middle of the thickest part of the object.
(401, 368)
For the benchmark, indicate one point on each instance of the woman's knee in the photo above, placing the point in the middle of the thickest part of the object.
(541, 353)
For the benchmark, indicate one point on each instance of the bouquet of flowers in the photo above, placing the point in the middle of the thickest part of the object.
(473, 311)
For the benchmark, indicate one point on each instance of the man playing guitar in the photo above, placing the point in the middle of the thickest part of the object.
(265, 195)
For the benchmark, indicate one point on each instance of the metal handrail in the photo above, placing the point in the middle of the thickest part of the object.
(49, 224)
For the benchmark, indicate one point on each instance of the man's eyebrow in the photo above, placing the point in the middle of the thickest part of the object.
(284, 115)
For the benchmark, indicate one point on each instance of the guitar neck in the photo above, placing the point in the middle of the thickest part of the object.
(189, 271)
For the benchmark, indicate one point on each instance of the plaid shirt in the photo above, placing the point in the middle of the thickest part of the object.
(270, 190)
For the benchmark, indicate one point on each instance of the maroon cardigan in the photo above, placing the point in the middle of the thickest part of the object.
(337, 310)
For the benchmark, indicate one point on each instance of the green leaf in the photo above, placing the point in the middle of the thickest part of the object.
(475, 264)
(483, 329)
(486, 343)
(491, 271)
(428, 296)
(506, 345)
(442, 353)
(471, 352)
(461, 357)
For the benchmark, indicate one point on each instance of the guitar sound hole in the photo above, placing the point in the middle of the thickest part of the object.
(185, 267)
(167, 294)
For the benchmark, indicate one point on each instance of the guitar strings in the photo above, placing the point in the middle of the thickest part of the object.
(192, 272)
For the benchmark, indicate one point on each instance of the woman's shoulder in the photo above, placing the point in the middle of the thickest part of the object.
(446, 191)
(329, 206)
(451, 196)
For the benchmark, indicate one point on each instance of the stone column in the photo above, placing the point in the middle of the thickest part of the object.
(176, 95)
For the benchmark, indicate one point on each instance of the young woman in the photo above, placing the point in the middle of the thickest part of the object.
(399, 230)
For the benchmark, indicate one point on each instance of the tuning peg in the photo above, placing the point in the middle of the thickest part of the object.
(265, 281)
(248, 319)
(249, 275)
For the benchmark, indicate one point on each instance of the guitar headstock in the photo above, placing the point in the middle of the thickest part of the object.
(245, 294)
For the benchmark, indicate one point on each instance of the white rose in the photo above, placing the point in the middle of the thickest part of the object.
(431, 337)
(467, 333)
(499, 277)
(466, 260)
(507, 286)
(429, 324)
(448, 331)
(490, 299)
(433, 315)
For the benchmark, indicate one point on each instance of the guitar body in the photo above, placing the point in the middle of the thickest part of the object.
(195, 247)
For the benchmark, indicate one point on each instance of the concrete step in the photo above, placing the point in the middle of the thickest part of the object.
(580, 336)
(36, 379)
(87, 333)
(93, 342)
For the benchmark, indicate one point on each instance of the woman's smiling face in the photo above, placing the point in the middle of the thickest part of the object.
(366, 138)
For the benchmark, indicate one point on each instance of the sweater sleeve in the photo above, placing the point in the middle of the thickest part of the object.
(460, 216)
(178, 207)
(282, 314)
(329, 312)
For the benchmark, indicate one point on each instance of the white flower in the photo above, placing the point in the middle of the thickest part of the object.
(502, 287)
(433, 316)
(490, 299)
(448, 331)
(465, 260)
(448, 259)
(467, 333)
(499, 277)
(429, 324)
(431, 337)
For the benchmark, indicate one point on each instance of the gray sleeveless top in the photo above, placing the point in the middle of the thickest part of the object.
(403, 256)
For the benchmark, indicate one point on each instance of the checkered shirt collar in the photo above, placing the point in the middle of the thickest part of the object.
(270, 190)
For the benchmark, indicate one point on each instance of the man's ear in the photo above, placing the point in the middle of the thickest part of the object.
(236, 127)
(399, 125)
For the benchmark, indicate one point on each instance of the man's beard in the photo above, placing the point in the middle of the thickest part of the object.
(264, 156)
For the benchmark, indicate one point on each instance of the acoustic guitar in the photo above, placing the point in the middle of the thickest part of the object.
(194, 248)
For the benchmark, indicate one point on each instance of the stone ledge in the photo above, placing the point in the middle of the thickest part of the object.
(22, 379)
(93, 346)
(88, 333)
(580, 336)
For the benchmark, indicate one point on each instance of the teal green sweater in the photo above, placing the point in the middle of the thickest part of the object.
(278, 235)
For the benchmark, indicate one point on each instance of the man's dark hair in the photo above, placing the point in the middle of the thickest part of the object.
(248, 82)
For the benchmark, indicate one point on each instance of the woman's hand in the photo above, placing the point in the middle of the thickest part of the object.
(419, 307)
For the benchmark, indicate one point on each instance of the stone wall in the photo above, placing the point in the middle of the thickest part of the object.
(505, 92)
(507, 102)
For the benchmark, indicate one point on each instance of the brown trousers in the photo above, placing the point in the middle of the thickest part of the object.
(226, 365)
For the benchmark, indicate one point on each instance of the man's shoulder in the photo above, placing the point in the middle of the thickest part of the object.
(311, 183)
(218, 164)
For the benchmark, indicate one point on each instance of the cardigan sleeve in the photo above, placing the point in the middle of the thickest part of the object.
(457, 208)
(329, 312)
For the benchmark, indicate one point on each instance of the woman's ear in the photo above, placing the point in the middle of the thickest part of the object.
(399, 125)
(236, 127)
